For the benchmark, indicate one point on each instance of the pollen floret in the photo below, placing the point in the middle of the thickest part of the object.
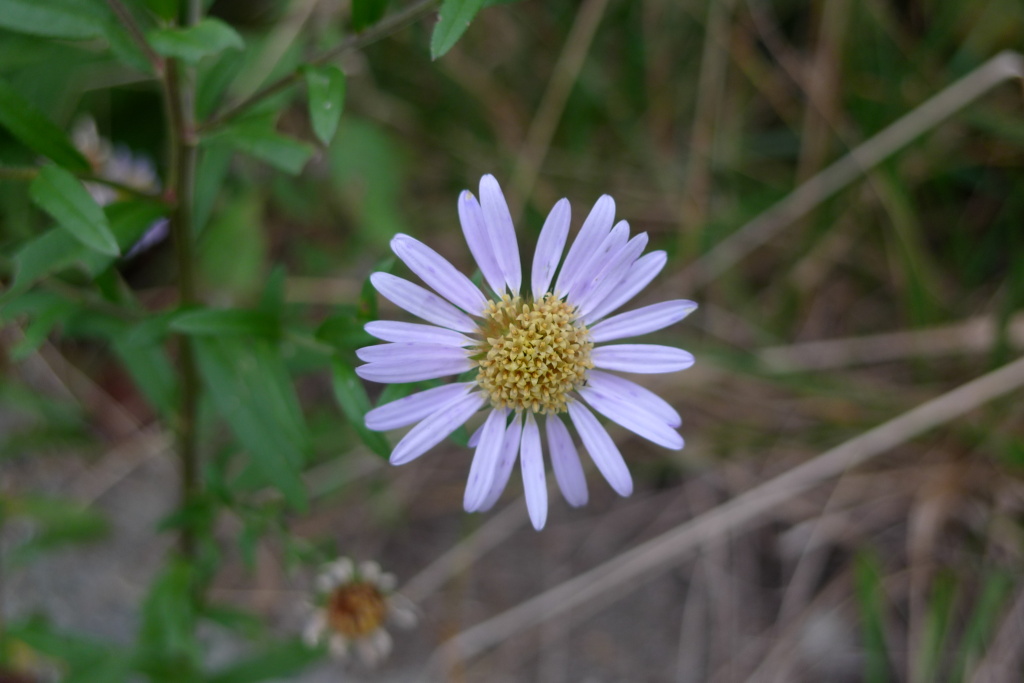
(352, 607)
(535, 353)
(357, 609)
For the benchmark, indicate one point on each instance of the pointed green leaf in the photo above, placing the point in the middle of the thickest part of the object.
(56, 249)
(326, 87)
(252, 390)
(73, 19)
(366, 13)
(191, 44)
(214, 161)
(216, 322)
(354, 402)
(167, 639)
(452, 22)
(165, 9)
(59, 522)
(258, 138)
(63, 196)
(33, 129)
(86, 659)
(232, 256)
(150, 367)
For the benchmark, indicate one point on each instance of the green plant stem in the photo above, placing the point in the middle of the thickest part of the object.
(381, 29)
(128, 21)
(179, 98)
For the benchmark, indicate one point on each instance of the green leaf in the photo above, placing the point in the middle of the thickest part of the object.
(987, 608)
(141, 351)
(167, 639)
(232, 321)
(326, 87)
(33, 129)
(214, 161)
(88, 661)
(165, 9)
(344, 331)
(280, 661)
(257, 137)
(63, 196)
(452, 22)
(354, 402)
(939, 613)
(42, 322)
(73, 19)
(233, 251)
(366, 13)
(56, 250)
(870, 594)
(191, 44)
(251, 389)
(234, 619)
(368, 172)
(59, 522)
(272, 301)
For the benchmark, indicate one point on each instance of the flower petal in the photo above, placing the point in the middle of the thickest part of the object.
(632, 392)
(639, 275)
(485, 460)
(599, 262)
(509, 451)
(601, 448)
(414, 408)
(435, 428)
(336, 573)
(338, 645)
(370, 571)
(403, 370)
(315, 628)
(421, 303)
(395, 331)
(642, 320)
(442, 276)
(617, 269)
(474, 438)
(593, 232)
(474, 228)
(641, 358)
(531, 462)
(633, 417)
(566, 462)
(501, 231)
(402, 351)
(550, 245)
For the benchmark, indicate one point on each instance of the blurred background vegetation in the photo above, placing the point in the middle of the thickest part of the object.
(697, 116)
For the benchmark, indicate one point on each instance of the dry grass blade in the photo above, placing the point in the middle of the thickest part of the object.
(615, 578)
(821, 186)
(976, 335)
(456, 559)
(542, 129)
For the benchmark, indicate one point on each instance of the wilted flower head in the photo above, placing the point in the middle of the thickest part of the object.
(119, 165)
(114, 163)
(352, 606)
(533, 355)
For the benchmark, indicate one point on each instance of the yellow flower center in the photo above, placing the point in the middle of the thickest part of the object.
(356, 609)
(535, 353)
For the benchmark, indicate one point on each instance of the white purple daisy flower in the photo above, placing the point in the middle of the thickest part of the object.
(532, 357)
